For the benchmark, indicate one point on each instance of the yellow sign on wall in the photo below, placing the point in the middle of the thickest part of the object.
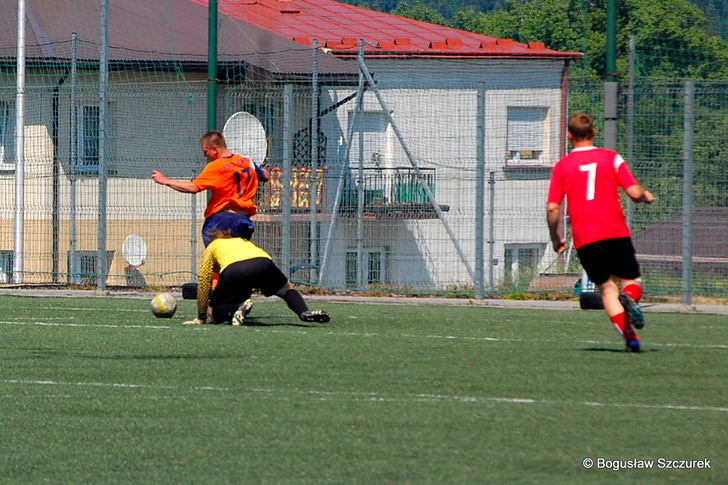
(301, 181)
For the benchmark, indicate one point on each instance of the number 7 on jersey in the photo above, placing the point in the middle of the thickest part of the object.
(591, 181)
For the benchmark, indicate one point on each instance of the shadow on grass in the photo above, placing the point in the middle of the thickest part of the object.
(264, 321)
(616, 350)
(255, 323)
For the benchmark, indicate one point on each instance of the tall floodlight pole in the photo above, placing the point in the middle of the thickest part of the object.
(20, 148)
(212, 66)
(610, 84)
(101, 263)
(211, 115)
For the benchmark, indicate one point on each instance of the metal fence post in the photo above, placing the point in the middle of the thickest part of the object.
(314, 164)
(103, 152)
(480, 194)
(491, 231)
(630, 119)
(73, 266)
(687, 233)
(286, 180)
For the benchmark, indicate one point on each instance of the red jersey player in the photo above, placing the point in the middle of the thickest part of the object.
(590, 178)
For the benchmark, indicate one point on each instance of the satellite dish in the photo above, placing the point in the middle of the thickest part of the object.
(245, 135)
(134, 250)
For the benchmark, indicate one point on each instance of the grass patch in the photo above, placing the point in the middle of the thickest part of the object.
(96, 390)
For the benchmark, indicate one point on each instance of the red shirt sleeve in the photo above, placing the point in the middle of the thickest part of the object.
(624, 175)
(556, 188)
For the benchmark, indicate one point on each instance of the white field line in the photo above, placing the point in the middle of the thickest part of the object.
(486, 339)
(116, 385)
(89, 325)
(376, 397)
(359, 334)
(91, 309)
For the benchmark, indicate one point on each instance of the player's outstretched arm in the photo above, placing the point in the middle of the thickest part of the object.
(178, 185)
(638, 194)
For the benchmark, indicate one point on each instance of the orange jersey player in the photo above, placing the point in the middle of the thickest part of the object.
(232, 180)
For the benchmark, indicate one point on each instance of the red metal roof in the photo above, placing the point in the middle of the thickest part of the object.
(663, 241)
(338, 27)
(144, 30)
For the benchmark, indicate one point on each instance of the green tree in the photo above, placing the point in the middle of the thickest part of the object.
(670, 36)
(446, 8)
(672, 41)
(420, 11)
(378, 5)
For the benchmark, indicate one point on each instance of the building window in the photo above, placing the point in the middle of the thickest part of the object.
(6, 266)
(87, 139)
(527, 137)
(374, 267)
(373, 130)
(7, 135)
(83, 268)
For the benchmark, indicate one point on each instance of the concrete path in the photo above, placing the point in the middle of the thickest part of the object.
(385, 300)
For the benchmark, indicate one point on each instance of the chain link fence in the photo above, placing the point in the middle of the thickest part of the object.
(414, 177)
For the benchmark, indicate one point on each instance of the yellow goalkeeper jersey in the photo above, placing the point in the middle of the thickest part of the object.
(220, 254)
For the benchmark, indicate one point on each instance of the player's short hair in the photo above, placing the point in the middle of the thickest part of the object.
(219, 233)
(213, 138)
(581, 126)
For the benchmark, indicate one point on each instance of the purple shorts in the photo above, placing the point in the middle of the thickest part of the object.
(239, 224)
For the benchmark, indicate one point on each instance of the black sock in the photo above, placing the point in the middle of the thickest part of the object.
(295, 302)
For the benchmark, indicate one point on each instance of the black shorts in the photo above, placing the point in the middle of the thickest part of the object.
(609, 257)
(239, 279)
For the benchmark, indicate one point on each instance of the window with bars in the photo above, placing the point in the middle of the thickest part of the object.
(83, 267)
(374, 267)
(6, 266)
(7, 136)
(87, 139)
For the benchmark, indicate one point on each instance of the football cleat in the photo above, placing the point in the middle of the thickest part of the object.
(633, 345)
(632, 309)
(242, 312)
(315, 316)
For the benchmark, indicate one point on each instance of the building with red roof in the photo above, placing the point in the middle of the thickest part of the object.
(338, 27)
(397, 152)
(429, 79)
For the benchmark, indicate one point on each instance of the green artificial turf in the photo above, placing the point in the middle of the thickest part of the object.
(97, 390)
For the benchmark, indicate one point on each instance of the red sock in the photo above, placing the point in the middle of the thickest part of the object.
(633, 290)
(623, 326)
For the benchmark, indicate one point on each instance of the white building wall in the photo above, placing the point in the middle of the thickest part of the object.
(434, 105)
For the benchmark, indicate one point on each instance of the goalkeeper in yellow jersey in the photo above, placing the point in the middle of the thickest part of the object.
(242, 266)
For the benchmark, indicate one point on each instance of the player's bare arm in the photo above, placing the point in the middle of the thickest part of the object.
(638, 194)
(553, 218)
(178, 185)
